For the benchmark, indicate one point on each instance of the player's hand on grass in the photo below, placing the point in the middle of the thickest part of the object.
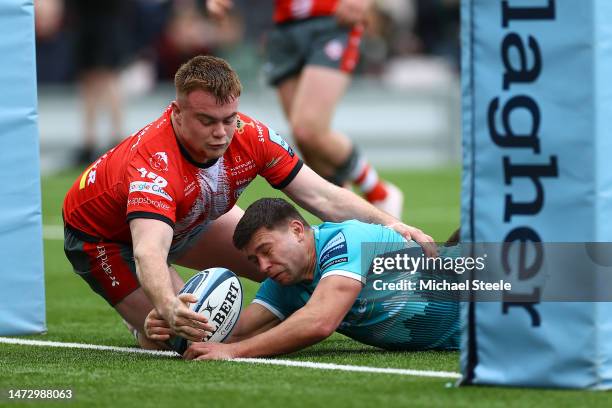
(185, 322)
(209, 351)
(411, 233)
(350, 12)
(219, 8)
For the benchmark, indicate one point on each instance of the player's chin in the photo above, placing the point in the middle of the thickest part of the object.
(206, 153)
(284, 278)
(216, 151)
(211, 156)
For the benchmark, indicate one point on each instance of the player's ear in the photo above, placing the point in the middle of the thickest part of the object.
(176, 110)
(297, 228)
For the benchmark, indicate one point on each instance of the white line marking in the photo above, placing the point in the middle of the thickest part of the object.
(28, 342)
(342, 367)
(286, 363)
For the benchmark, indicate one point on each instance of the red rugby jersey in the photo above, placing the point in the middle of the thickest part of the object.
(288, 10)
(150, 175)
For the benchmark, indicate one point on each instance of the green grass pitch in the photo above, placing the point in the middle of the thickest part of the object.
(104, 378)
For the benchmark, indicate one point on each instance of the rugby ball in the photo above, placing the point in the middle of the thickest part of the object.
(219, 294)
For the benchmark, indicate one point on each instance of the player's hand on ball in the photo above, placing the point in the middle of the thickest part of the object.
(209, 351)
(411, 233)
(156, 328)
(185, 322)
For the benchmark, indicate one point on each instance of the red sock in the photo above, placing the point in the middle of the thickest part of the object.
(369, 183)
(378, 193)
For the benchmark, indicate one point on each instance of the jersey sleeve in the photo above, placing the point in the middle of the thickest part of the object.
(351, 251)
(152, 186)
(341, 254)
(278, 162)
(279, 300)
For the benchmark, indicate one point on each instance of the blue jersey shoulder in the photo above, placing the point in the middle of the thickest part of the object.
(347, 245)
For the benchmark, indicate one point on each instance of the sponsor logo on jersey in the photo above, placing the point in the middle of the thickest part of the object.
(273, 162)
(105, 265)
(190, 188)
(260, 133)
(146, 201)
(334, 247)
(241, 124)
(333, 262)
(276, 138)
(242, 181)
(149, 188)
(159, 180)
(243, 168)
(89, 176)
(159, 161)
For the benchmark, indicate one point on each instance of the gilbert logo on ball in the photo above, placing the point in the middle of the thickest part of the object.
(537, 102)
(219, 294)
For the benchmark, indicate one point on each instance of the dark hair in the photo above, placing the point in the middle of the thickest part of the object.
(265, 212)
(210, 74)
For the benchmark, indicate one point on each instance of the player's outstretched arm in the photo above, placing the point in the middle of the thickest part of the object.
(316, 321)
(253, 320)
(151, 242)
(332, 203)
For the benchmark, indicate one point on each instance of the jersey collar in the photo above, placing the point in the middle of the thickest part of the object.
(190, 159)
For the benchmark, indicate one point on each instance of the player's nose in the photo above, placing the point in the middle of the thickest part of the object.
(264, 265)
(219, 130)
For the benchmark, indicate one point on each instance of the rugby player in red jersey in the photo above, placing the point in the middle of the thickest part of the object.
(312, 52)
(166, 195)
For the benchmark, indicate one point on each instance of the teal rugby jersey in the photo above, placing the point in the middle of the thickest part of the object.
(398, 319)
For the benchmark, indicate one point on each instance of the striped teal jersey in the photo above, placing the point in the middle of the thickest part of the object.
(390, 319)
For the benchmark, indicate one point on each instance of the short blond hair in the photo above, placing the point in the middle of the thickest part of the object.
(210, 74)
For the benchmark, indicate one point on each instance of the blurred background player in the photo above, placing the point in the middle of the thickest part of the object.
(188, 33)
(100, 52)
(312, 51)
(158, 35)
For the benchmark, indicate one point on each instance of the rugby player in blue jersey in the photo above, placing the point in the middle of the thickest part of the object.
(320, 281)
